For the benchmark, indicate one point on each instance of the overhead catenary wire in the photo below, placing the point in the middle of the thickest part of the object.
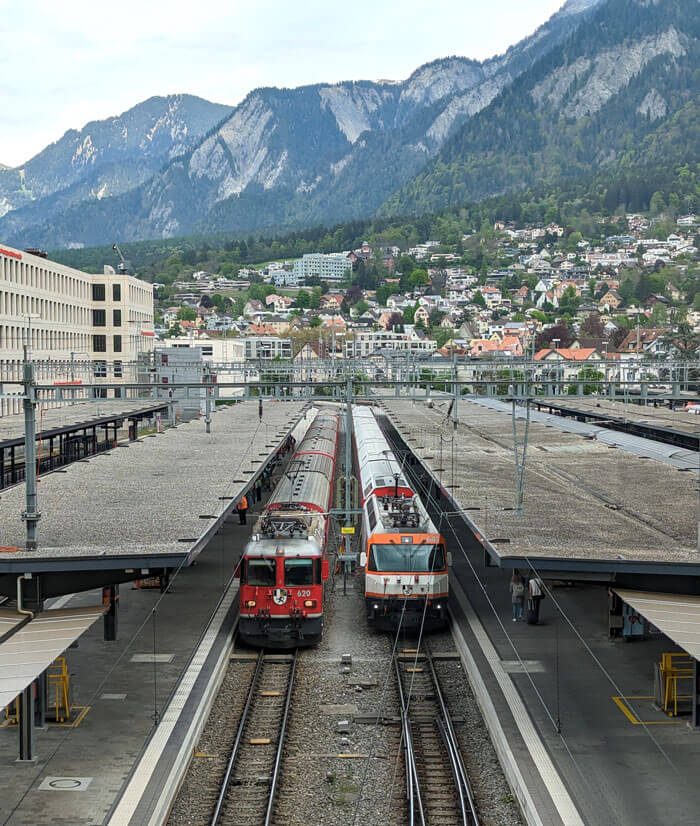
(555, 725)
(555, 721)
(131, 641)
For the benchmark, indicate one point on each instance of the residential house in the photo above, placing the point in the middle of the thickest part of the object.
(422, 315)
(332, 301)
(253, 307)
(610, 302)
(278, 302)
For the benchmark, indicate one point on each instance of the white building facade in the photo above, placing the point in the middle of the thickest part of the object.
(68, 318)
(333, 267)
(364, 344)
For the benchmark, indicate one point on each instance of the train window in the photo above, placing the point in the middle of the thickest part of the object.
(371, 515)
(261, 572)
(416, 558)
(298, 572)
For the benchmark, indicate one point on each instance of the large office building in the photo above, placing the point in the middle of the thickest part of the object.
(333, 267)
(79, 328)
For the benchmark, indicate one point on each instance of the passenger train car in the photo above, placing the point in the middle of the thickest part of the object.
(406, 565)
(284, 564)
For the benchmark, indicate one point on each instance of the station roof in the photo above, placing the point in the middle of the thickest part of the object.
(153, 501)
(32, 649)
(647, 448)
(659, 417)
(587, 506)
(53, 420)
(676, 616)
(8, 620)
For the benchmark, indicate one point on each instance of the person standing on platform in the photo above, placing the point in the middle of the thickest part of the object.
(535, 597)
(517, 594)
(242, 508)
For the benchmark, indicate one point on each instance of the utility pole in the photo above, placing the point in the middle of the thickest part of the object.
(30, 514)
(455, 390)
(348, 473)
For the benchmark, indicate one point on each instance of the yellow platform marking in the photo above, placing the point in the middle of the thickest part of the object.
(259, 741)
(203, 754)
(69, 724)
(270, 693)
(624, 707)
(414, 670)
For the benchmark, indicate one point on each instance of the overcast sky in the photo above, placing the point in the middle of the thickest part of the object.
(66, 62)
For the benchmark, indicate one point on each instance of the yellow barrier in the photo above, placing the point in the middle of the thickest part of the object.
(58, 678)
(674, 666)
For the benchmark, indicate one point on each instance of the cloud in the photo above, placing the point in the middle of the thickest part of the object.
(87, 60)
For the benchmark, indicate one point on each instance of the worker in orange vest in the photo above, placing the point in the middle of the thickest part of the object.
(242, 508)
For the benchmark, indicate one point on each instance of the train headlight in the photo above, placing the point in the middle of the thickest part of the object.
(375, 606)
(438, 607)
(250, 603)
(309, 603)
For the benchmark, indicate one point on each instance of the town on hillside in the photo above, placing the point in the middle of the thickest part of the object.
(505, 292)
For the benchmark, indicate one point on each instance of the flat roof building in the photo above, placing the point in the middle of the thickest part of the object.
(332, 267)
(65, 315)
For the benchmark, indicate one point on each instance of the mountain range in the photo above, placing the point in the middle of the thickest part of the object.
(598, 85)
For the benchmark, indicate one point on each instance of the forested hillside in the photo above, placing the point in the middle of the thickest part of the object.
(620, 94)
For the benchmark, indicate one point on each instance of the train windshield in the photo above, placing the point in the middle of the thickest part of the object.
(407, 558)
(298, 572)
(261, 572)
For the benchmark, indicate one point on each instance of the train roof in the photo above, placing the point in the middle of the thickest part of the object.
(399, 516)
(376, 461)
(286, 547)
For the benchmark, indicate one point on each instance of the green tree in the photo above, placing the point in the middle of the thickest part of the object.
(659, 314)
(303, 300)
(418, 278)
(573, 240)
(186, 313)
(479, 299)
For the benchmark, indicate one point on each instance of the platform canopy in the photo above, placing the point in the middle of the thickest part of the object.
(32, 649)
(675, 615)
(8, 620)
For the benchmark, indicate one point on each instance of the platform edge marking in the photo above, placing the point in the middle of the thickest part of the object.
(133, 793)
(549, 775)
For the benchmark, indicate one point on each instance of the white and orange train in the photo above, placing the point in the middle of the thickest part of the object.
(406, 564)
(284, 565)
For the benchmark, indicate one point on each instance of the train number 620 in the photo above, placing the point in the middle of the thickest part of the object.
(303, 593)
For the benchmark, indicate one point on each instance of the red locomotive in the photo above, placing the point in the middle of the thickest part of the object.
(284, 566)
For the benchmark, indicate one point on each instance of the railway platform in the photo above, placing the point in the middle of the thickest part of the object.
(584, 737)
(135, 699)
(671, 426)
(73, 432)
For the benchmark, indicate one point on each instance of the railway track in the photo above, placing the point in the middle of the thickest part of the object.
(437, 786)
(250, 782)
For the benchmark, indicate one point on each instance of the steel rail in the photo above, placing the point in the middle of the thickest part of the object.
(466, 795)
(415, 802)
(237, 742)
(280, 742)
